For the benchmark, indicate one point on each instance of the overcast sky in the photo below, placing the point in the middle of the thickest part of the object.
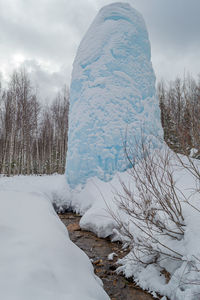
(44, 36)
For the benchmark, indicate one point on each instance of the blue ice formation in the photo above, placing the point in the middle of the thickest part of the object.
(112, 94)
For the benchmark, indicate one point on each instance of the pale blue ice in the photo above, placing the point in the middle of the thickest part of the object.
(112, 94)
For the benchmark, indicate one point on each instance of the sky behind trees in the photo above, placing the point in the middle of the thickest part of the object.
(43, 35)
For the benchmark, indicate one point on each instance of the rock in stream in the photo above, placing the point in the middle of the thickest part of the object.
(98, 249)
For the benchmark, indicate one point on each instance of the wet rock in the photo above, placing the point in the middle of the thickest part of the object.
(116, 285)
(73, 227)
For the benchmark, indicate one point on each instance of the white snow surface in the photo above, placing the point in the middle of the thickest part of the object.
(111, 256)
(112, 95)
(37, 259)
(97, 198)
(95, 201)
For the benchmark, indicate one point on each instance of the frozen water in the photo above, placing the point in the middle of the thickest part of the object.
(112, 94)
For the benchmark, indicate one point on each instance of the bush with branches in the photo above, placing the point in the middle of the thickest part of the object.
(155, 219)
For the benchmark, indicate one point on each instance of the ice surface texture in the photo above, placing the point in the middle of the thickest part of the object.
(112, 94)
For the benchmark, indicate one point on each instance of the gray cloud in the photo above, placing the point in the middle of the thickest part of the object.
(174, 23)
(47, 83)
(46, 34)
(174, 30)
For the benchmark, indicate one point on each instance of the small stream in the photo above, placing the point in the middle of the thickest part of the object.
(98, 249)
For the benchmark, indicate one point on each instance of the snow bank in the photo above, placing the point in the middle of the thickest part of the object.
(37, 258)
(112, 95)
(53, 188)
(97, 199)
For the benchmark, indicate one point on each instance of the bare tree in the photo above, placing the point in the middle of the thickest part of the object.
(180, 110)
(33, 138)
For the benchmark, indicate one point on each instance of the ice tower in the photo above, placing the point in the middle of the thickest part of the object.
(112, 94)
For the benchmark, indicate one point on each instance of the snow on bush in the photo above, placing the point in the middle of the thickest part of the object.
(163, 229)
(154, 209)
(161, 221)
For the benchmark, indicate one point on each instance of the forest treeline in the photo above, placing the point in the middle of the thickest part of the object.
(180, 114)
(33, 137)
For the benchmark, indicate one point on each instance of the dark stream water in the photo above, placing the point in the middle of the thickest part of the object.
(98, 249)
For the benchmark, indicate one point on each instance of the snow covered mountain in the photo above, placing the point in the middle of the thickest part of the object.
(112, 94)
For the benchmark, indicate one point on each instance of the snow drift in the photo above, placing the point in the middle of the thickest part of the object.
(37, 258)
(112, 94)
(93, 202)
(98, 201)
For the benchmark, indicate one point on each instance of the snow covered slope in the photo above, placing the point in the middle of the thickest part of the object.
(38, 261)
(112, 91)
(36, 252)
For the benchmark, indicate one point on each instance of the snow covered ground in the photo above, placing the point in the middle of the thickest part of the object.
(37, 258)
(53, 264)
(183, 283)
